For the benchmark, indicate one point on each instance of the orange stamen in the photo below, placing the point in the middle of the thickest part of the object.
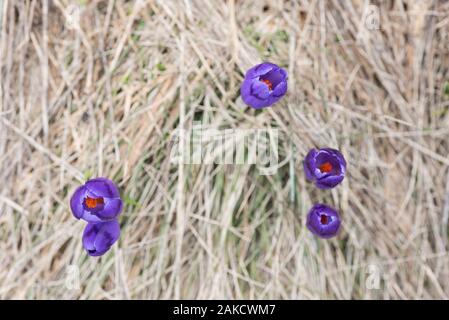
(268, 83)
(324, 219)
(326, 167)
(92, 203)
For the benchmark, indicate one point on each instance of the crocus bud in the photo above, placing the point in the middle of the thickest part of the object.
(98, 200)
(264, 85)
(326, 167)
(99, 237)
(323, 221)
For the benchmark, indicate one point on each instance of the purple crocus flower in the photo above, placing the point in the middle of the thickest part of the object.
(98, 200)
(323, 221)
(326, 167)
(263, 85)
(99, 237)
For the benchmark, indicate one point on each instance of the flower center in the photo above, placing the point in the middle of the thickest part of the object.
(268, 83)
(92, 203)
(326, 167)
(324, 219)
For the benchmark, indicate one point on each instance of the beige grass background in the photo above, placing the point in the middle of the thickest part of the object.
(103, 96)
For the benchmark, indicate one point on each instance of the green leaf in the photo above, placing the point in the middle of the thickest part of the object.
(282, 35)
(125, 79)
(131, 202)
(87, 175)
(161, 67)
(446, 88)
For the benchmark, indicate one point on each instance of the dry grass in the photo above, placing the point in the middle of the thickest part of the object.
(103, 99)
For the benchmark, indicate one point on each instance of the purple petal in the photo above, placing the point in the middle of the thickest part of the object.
(280, 89)
(107, 236)
(332, 229)
(273, 99)
(260, 90)
(309, 165)
(112, 208)
(76, 202)
(248, 98)
(245, 88)
(275, 76)
(329, 182)
(256, 103)
(313, 224)
(89, 234)
(260, 70)
(102, 187)
(99, 237)
(91, 217)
